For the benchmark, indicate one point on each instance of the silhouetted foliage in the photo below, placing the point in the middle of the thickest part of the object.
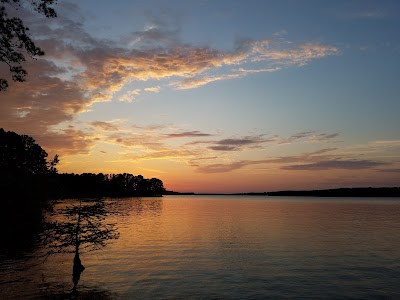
(15, 42)
(83, 227)
(20, 155)
(104, 185)
(23, 189)
(343, 192)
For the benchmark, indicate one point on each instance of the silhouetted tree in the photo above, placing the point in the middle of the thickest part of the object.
(23, 188)
(19, 154)
(156, 186)
(15, 42)
(83, 228)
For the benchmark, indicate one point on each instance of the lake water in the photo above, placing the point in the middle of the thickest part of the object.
(229, 247)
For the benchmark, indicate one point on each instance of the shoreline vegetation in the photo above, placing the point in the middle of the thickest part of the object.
(26, 172)
(30, 183)
(339, 192)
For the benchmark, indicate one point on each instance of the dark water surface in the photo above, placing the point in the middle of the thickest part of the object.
(229, 247)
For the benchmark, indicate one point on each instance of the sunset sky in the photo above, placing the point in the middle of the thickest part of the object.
(216, 95)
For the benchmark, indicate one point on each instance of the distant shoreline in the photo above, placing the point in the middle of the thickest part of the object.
(340, 192)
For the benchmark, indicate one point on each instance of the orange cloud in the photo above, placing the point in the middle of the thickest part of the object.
(107, 126)
(164, 154)
(69, 141)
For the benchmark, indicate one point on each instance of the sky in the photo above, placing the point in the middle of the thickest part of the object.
(216, 95)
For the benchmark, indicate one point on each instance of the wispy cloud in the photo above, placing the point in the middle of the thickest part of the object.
(311, 136)
(107, 126)
(323, 137)
(151, 127)
(186, 134)
(202, 154)
(162, 154)
(235, 165)
(154, 89)
(232, 144)
(373, 13)
(194, 82)
(286, 53)
(236, 143)
(296, 136)
(390, 170)
(130, 96)
(320, 160)
(252, 71)
(228, 167)
(336, 164)
(137, 140)
(366, 10)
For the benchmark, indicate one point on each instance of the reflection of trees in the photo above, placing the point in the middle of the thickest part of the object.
(146, 205)
(83, 228)
(87, 293)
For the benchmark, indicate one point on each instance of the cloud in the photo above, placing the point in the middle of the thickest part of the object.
(69, 141)
(373, 14)
(336, 164)
(185, 134)
(160, 30)
(252, 71)
(228, 167)
(379, 148)
(137, 140)
(129, 96)
(387, 143)
(42, 101)
(242, 142)
(235, 144)
(309, 135)
(195, 82)
(107, 126)
(163, 154)
(322, 151)
(223, 168)
(297, 136)
(323, 137)
(285, 53)
(389, 170)
(274, 53)
(223, 148)
(156, 146)
(257, 141)
(154, 89)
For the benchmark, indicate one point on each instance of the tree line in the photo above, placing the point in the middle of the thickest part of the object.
(89, 185)
(24, 168)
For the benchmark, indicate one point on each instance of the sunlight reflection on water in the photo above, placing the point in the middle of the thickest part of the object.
(232, 247)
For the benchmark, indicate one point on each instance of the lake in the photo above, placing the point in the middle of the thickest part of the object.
(228, 247)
